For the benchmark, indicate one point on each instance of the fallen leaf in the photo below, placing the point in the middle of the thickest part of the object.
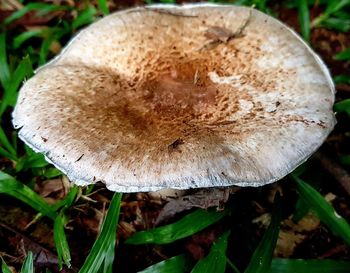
(286, 243)
(203, 198)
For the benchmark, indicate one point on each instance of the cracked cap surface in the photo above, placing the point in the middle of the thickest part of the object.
(179, 97)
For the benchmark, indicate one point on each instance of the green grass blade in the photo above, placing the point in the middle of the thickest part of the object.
(53, 34)
(68, 200)
(6, 143)
(87, 16)
(7, 154)
(36, 160)
(342, 106)
(23, 70)
(45, 48)
(4, 266)
(9, 185)
(28, 266)
(260, 5)
(345, 160)
(338, 24)
(29, 151)
(105, 239)
(262, 257)
(51, 172)
(14, 139)
(185, 227)
(341, 14)
(343, 56)
(4, 67)
(60, 239)
(108, 260)
(301, 210)
(47, 172)
(342, 79)
(312, 266)
(177, 264)
(23, 37)
(232, 265)
(215, 261)
(42, 8)
(31, 161)
(323, 209)
(334, 6)
(304, 19)
(103, 6)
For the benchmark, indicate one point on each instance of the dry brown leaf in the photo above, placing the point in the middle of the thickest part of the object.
(216, 33)
(204, 198)
(286, 243)
(263, 220)
(10, 5)
(49, 186)
(308, 223)
(125, 230)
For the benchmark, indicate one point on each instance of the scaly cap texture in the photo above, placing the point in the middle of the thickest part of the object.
(179, 97)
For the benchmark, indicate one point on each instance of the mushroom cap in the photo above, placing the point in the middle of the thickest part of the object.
(179, 97)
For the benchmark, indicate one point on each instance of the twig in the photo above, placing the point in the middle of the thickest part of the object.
(42, 254)
(196, 77)
(219, 35)
(333, 168)
(35, 220)
(343, 87)
(29, 240)
(169, 12)
(333, 251)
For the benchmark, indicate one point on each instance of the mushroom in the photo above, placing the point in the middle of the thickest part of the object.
(190, 96)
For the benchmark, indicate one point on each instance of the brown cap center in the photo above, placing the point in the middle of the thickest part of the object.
(183, 90)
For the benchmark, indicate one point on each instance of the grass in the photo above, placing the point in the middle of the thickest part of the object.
(176, 231)
(23, 51)
(326, 213)
(102, 252)
(304, 19)
(334, 16)
(27, 266)
(176, 264)
(314, 266)
(215, 261)
(262, 257)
